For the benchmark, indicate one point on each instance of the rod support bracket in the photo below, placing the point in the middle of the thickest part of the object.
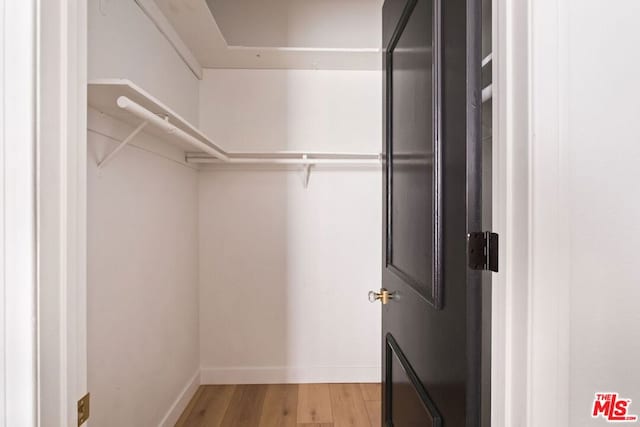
(307, 170)
(127, 140)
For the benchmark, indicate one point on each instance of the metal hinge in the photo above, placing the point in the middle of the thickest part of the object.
(482, 251)
(84, 408)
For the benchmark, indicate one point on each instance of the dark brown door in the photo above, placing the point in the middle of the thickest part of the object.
(432, 323)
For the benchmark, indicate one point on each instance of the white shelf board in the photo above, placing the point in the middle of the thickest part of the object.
(102, 94)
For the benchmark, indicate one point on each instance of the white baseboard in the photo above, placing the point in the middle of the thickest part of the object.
(287, 375)
(268, 375)
(181, 401)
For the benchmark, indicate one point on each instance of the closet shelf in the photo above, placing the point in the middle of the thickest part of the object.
(126, 101)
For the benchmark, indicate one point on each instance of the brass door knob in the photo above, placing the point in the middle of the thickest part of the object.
(383, 296)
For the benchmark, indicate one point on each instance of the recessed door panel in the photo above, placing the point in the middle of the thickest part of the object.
(413, 251)
(409, 402)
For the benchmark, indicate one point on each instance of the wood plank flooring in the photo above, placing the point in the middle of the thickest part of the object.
(284, 405)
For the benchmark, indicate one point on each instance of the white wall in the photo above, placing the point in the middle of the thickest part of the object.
(603, 134)
(142, 283)
(292, 109)
(284, 271)
(584, 154)
(143, 338)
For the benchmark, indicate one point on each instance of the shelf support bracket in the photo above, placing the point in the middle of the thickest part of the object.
(120, 146)
(307, 171)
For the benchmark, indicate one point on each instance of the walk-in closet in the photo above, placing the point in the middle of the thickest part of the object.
(235, 206)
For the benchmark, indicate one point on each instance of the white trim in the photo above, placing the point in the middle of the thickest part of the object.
(549, 285)
(18, 400)
(151, 9)
(290, 375)
(530, 349)
(511, 212)
(62, 130)
(181, 402)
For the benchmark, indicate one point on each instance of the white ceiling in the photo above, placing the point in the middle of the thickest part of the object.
(299, 23)
(303, 34)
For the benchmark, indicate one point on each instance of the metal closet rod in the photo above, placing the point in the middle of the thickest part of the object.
(221, 156)
(303, 160)
(487, 59)
(487, 92)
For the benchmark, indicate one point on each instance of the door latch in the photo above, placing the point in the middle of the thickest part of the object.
(84, 409)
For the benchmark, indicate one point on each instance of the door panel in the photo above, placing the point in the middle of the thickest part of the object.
(407, 390)
(432, 182)
(412, 145)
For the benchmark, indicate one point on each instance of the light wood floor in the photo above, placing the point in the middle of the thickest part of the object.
(284, 405)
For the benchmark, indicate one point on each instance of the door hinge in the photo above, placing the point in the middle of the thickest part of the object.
(84, 408)
(482, 251)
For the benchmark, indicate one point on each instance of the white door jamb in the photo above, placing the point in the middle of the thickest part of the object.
(62, 132)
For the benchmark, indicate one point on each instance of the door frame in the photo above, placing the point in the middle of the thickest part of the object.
(510, 177)
(18, 383)
(61, 210)
(531, 299)
(520, 71)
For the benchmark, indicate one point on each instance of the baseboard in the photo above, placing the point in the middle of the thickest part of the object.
(181, 401)
(287, 375)
(267, 375)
